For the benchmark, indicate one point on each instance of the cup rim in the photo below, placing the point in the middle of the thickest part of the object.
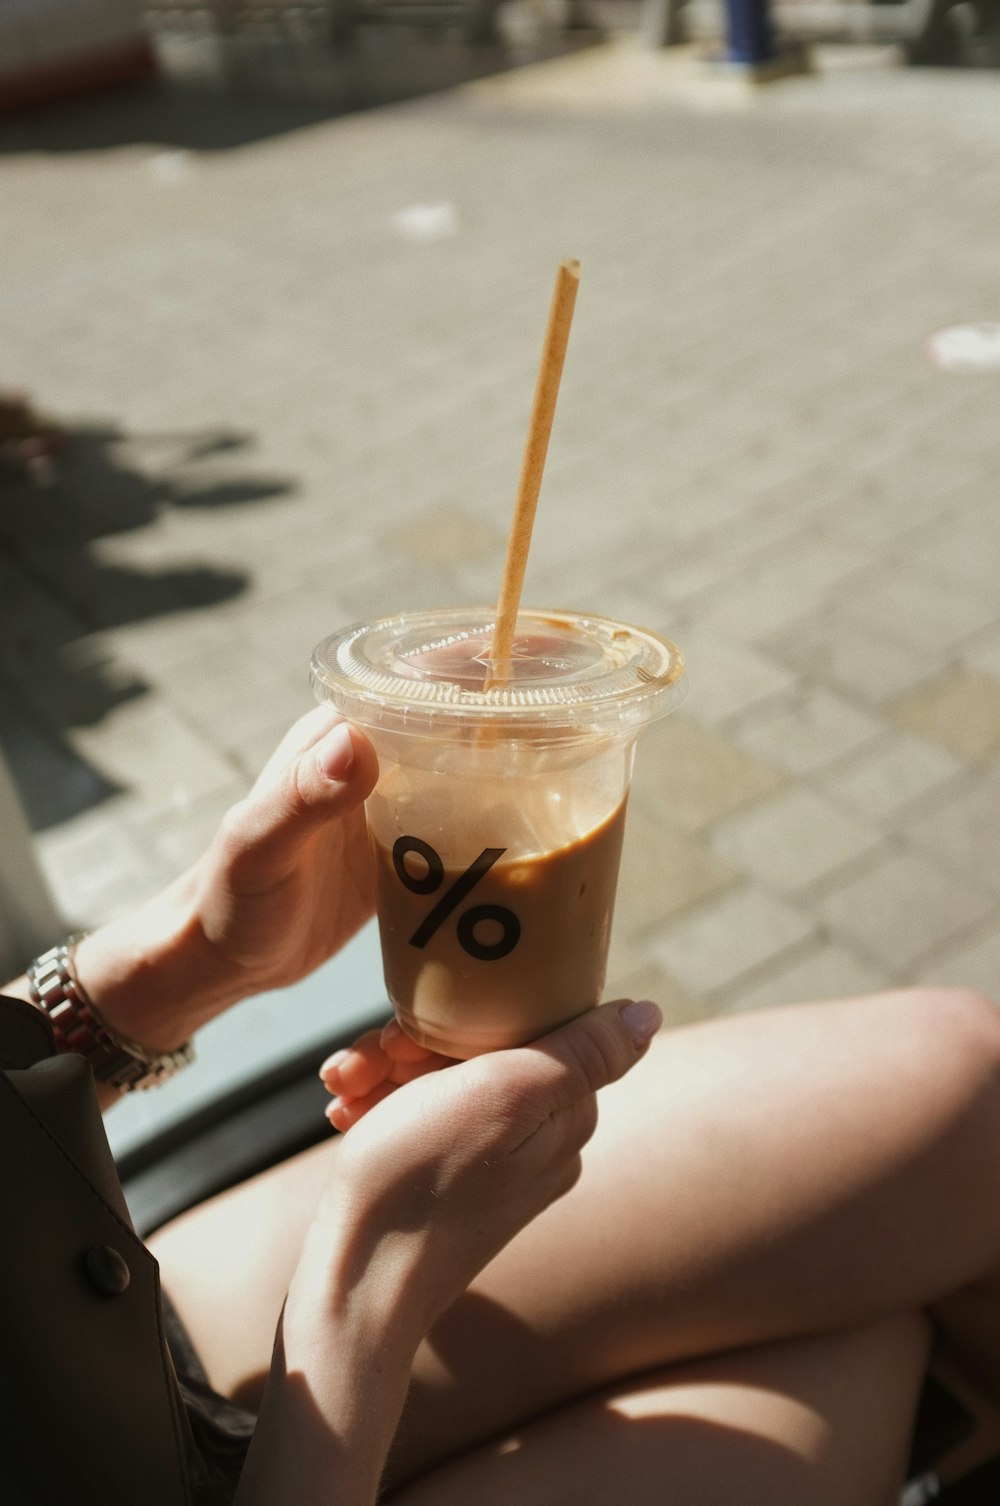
(598, 674)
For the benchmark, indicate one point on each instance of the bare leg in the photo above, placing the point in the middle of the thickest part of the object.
(811, 1421)
(759, 1178)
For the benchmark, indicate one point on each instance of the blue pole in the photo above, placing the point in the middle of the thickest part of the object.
(749, 36)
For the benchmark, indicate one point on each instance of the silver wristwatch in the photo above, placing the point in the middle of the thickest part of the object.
(78, 1027)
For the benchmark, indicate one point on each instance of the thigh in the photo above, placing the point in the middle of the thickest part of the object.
(778, 1175)
(755, 1178)
(226, 1266)
(813, 1421)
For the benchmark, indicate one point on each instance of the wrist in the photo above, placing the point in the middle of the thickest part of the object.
(118, 1064)
(153, 975)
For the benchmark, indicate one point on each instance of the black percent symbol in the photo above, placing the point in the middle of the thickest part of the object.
(453, 896)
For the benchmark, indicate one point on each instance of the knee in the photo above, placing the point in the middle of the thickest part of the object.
(972, 1019)
(957, 1030)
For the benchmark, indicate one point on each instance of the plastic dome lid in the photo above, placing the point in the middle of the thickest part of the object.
(427, 673)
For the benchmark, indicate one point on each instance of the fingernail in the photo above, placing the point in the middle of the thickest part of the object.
(335, 754)
(332, 1061)
(332, 1108)
(642, 1019)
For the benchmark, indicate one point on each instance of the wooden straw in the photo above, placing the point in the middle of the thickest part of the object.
(539, 428)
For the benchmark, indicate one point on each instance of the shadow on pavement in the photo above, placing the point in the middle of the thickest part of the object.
(60, 586)
(217, 92)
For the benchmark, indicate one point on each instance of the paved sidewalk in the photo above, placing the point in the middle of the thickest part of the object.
(298, 406)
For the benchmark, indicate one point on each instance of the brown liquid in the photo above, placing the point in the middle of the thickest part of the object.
(540, 963)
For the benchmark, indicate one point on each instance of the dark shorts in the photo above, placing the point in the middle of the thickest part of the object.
(221, 1429)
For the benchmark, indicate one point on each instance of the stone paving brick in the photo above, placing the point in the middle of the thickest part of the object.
(901, 911)
(96, 868)
(973, 966)
(721, 554)
(236, 693)
(809, 729)
(178, 834)
(963, 550)
(698, 775)
(449, 533)
(766, 601)
(74, 683)
(36, 630)
(961, 712)
(926, 613)
(53, 784)
(728, 937)
(727, 678)
(153, 643)
(984, 654)
(931, 470)
(963, 831)
(282, 631)
(853, 658)
(663, 871)
(824, 971)
(633, 595)
(144, 747)
(794, 840)
(890, 774)
(396, 588)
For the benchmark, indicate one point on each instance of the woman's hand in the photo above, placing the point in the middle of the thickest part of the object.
(380, 1061)
(289, 877)
(286, 882)
(440, 1169)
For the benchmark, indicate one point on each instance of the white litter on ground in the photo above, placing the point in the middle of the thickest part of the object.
(171, 167)
(966, 347)
(425, 222)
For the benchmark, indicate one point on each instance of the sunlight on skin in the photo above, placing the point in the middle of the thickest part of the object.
(363, 1074)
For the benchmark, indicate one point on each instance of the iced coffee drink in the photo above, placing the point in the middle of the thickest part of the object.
(523, 928)
(498, 818)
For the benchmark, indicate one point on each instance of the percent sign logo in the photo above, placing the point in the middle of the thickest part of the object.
(453, 897)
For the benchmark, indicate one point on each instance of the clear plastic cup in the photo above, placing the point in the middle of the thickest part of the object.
(498, 817)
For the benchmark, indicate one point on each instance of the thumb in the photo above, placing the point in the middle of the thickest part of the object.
(329, 779)
(322, 782)
(595, 1049)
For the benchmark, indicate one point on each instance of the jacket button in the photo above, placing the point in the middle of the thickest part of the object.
(106, 1270)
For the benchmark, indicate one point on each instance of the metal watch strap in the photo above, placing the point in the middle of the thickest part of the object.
(114, 1059)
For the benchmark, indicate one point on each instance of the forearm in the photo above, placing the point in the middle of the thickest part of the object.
(153, 974)
(324, 1430)
(286, 882)
(336, 1388)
